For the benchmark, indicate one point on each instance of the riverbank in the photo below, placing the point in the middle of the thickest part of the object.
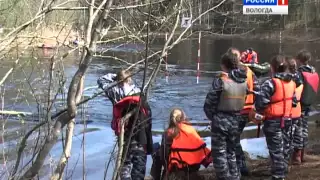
(49, 38)
(260, 167)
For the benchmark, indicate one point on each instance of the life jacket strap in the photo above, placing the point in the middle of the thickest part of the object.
(188, 150)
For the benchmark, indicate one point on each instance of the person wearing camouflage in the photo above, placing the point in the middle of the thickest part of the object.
(222, 106)
(275, 101)
(310, 79)
(253, 86)
(134, 166)
(297, 143)
(125, 97)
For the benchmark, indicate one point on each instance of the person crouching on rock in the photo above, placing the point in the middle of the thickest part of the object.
(182, 150)
(223, 103)
(275, 101)
(126, 100)
(297, 143)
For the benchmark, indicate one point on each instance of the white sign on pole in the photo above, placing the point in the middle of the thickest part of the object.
(186, 22)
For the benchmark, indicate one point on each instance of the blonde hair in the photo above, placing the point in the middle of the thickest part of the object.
(124, 76)
(177, 116)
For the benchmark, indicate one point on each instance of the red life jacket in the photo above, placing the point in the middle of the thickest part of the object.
(118, 109)
(310, 89)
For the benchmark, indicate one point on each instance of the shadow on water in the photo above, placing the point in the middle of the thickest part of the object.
(181, 90)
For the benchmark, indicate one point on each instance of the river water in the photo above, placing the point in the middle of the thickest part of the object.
(28, 85)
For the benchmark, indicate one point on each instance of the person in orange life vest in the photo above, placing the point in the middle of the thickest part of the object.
(222, 106)
(310, 80)
(297, 143)
(252, 56)
(253, 86)
(125, 97)
(182, 150)
(275, 101)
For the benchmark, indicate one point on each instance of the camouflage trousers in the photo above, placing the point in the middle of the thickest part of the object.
(224, 128)
(241, 160)
(304, 128)
(297, 142)
(279, 142)
(134, 167)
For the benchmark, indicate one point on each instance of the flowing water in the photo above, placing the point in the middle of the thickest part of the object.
(28, 85)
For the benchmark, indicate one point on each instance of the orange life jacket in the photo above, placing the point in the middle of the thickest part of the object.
(281, 101)
(188, 149)
(296, 111)
(250, 97)
(250, 56)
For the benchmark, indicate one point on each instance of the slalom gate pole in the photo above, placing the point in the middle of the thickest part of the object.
(198, 59)
(166, 59)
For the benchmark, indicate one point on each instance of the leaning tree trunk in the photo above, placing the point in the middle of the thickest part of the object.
(68, 143)
(66, 117)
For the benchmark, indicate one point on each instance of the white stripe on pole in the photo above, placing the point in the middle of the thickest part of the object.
(166, 59)
(198, 63)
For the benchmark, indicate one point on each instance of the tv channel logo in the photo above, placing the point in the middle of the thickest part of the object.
(269, 7)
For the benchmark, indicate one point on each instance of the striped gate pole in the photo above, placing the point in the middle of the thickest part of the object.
(166, 61)
(198, 60)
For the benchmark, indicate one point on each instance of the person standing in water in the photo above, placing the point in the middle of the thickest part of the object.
(253, 86)
(222, 106)
(310, 80)
(125, 98)
(275, 101)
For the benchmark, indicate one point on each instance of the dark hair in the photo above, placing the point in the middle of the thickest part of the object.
(230, 61)
(231, 49)
(304, 56)
(250, 49)
(292, 64)
(279, 63)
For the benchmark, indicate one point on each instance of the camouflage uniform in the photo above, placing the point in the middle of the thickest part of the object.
(297, 133)
(241, 159)
(225, 130)
(305, 110)
(134, 166)
(278, 139)
(297, 142)
(116, 93)
(304, 129)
